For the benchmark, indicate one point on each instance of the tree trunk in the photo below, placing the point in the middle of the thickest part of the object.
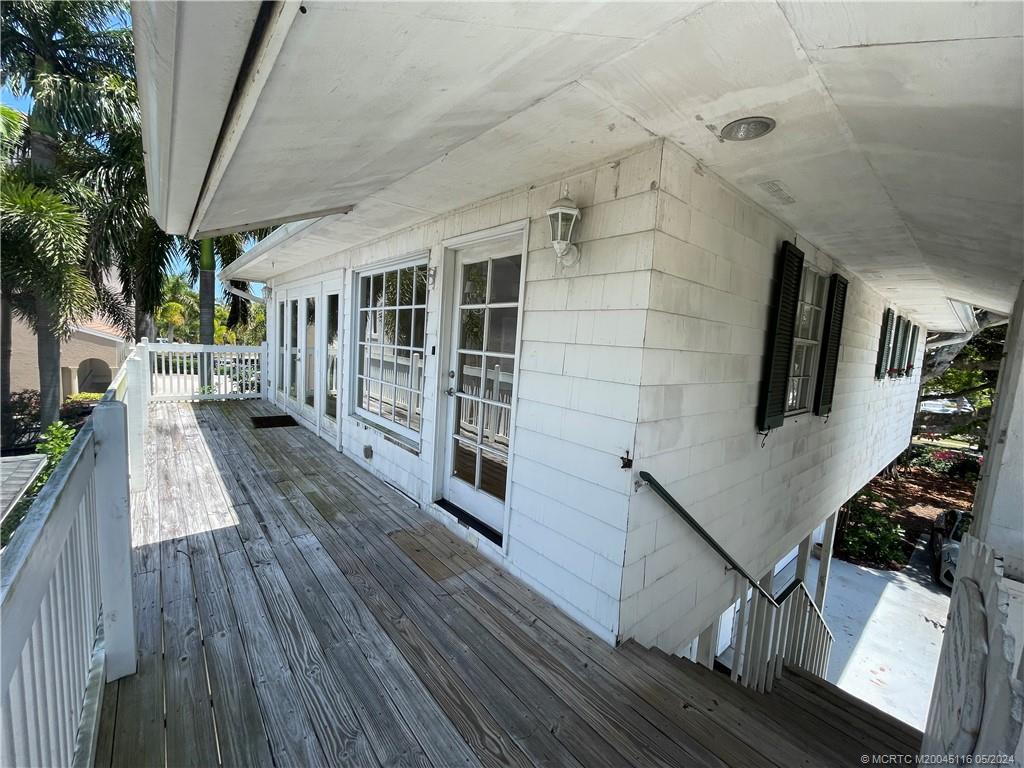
(144, 326)
(207, 273)
(48, 349)
(6, 318)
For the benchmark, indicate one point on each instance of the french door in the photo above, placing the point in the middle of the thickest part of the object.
(300, 352)
(485, 341)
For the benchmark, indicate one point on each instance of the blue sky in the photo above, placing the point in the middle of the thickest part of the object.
(21, 103)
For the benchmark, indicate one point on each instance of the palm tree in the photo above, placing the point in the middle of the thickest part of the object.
(202, 258)
(43, 241)
(69, 59)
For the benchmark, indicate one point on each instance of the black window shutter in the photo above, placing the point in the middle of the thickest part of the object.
(782, 324)
(912, 352)
(884, 345)
(897, 347)
(832, 337)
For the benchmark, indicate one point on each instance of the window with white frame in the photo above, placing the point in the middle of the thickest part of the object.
(390, 336)
(806, 340)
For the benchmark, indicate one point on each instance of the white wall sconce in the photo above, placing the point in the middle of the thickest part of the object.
(563, 216)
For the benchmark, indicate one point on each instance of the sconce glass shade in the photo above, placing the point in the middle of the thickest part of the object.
(563, 216)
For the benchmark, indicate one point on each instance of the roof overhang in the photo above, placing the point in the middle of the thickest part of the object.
(898, 140)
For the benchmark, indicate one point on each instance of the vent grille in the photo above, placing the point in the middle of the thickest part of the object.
(775, 188)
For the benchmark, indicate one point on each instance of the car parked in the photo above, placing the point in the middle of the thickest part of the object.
(948, 529)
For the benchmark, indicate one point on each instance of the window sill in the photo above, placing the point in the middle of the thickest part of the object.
(391, 436)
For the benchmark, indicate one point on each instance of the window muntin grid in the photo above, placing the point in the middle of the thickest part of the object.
(810, 318)
(391, 337)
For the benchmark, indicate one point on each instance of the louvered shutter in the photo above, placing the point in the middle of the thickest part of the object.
(832, 335)
(912, 351)
(884, 345)
(894, 353)
(902, 331)
(782, 324)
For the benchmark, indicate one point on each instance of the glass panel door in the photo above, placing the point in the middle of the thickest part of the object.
(309, 353)
(293, 348)
(483, 368)
(331, 379)
(280, 347)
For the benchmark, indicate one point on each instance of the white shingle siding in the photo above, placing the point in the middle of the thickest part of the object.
(711, 289)
(579, 379)
(651, 344)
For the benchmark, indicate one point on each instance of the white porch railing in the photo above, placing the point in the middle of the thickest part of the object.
(770, 636)
(206, 372)
(66, 588)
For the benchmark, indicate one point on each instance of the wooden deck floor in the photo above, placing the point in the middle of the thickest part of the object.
(293, 610)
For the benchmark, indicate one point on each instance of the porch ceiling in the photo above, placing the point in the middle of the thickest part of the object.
(899, 125)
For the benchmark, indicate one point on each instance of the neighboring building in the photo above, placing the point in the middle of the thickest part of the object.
(87, 359)
(745, 321)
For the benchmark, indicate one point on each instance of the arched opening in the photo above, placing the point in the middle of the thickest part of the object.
(93, 375)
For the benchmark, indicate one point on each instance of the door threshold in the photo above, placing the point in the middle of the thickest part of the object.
(469, 521)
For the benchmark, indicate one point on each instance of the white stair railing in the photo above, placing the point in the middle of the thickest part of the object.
(206, 371)
(771, 635)
(66, 590)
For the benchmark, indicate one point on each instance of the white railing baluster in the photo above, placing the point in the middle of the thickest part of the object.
(237, 372)
(741, 635)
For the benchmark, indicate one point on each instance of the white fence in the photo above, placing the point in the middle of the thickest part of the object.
(770, 637)
(205, 371)
(66, 588)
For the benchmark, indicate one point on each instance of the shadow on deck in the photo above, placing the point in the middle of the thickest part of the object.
(293, 610)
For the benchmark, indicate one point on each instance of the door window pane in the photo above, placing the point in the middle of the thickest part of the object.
(496, 423)
(331, 362)
(467, 419)
(471, 329)
(469, 374)
(501, 329)
(309, 380)
(498, 374)
(293, 348)
(280, 346)
(493, 474)
(464, 462)
(505, 279)
(474, 283)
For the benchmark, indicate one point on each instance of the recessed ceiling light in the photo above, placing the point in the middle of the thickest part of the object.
(748, 128)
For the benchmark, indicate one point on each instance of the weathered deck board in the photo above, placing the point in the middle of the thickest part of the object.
(293, 610)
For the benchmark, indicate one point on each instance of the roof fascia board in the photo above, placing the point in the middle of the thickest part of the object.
(155, 28)
(261, 250)
(249, 88)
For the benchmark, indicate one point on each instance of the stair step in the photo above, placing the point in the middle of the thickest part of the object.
(869, 716)
(837, 695)
(733, 715)
(826, 723)
(816, 740)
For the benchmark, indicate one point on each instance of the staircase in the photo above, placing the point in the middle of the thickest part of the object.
(803, 721)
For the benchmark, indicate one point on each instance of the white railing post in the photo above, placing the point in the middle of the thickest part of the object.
(265, 370)
(137, 400)
(113, 520)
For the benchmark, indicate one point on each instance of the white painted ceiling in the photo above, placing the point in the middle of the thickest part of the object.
(899, 131)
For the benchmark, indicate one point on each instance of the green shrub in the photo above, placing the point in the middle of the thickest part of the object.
(870, 535)
(54, 444)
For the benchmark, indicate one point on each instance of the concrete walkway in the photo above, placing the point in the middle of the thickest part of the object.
(888, 629)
